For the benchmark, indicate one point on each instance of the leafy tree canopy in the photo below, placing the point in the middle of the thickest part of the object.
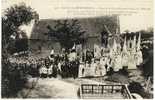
(12, 19)
(67, 32)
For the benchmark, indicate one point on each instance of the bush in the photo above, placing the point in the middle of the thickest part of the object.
(13, 79)
(136, 87)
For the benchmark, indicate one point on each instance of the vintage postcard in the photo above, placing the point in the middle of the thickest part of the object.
(77, 49)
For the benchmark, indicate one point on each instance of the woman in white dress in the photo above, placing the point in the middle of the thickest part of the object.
(43, 71)
(102, 66)
(81, 70)
(50, 71)
(92, 67)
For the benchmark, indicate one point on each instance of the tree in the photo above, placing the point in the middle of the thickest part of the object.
(66, 32)
(13, 18)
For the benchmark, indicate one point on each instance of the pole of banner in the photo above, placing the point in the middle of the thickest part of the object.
(147, 84)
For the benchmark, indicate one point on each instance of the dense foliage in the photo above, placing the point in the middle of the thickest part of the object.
(13, 78)
(67, 32)
(12, 19)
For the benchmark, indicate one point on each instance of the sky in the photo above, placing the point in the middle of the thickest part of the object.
(56, 9)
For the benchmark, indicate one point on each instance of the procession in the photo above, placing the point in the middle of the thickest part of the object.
(91, 63)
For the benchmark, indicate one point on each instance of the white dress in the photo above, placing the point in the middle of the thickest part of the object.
(97, 69)
(50, 70)
(102, 67)
(139, 57)
(59, 66)
(131, 62)
(87, 70)
(118, 63)
(43, 70)
(81, 69)
(92, 69)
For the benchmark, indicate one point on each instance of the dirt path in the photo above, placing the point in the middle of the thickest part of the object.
(50, 88)
(54, 88)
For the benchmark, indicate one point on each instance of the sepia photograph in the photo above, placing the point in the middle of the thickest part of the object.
(69, 49)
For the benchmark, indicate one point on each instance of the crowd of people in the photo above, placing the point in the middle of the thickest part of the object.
(28, 65)
(56, 65)
(64, 65)
(53, 65)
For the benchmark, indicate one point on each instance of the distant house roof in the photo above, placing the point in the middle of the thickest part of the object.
(92, 26)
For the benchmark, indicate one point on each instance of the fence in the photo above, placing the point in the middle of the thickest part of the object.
(104, 91)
